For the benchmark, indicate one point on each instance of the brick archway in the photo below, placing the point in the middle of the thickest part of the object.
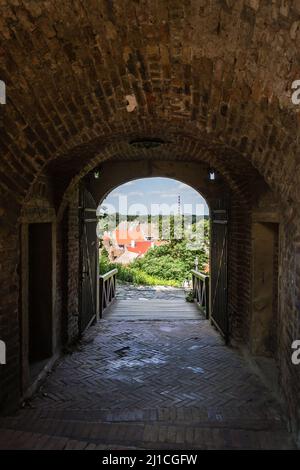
(212, 80)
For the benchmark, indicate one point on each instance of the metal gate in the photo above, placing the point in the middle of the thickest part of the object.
(88, 268)
(219, 240)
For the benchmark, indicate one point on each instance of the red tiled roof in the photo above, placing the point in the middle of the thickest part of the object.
(144, 246)
(125, 237)
(140, 247)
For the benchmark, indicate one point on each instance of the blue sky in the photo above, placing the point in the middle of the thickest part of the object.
(140, 194)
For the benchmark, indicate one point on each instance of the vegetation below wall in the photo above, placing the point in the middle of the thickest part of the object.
(135, 275)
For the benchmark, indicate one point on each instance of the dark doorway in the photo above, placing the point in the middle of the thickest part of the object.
(40, 292)
(265, 238)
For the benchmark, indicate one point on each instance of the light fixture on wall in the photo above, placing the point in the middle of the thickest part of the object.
(212, 175)
(97, 173)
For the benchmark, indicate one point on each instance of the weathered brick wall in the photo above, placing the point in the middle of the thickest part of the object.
(9, 326)
(275, 333)
(61, 308)
(239, 270)
(67, 274)
(289, 311)
(61, 298)
(73, 267)
(219, 66)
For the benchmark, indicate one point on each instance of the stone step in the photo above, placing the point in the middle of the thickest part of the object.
(22, 440)
(136, 435)
(247, 416)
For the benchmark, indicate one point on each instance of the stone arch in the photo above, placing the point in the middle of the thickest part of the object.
(227, 158)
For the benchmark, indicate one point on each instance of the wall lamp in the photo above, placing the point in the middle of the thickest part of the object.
(212, 176)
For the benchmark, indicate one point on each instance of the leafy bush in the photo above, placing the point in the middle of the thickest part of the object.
(173, 261)
(134, 275)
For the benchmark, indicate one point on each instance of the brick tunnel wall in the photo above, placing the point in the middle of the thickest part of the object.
(285, 327)
(289, 313)
(65, 308)
(73, 266)
(9, 321)
(67, 275)
(239, 271)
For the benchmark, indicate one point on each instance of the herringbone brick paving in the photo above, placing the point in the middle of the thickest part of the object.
(143, 384)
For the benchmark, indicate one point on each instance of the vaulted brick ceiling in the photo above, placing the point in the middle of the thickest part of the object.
(212, 78)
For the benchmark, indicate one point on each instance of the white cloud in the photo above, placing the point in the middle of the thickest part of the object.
(136, 193)
(169, 195)
(117, 194)
(155, 191)
(179, 187)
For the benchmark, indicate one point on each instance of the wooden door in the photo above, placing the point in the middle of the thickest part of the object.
(88, 260)
(219, 240)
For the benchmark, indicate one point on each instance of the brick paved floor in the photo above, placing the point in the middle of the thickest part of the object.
(143, 384)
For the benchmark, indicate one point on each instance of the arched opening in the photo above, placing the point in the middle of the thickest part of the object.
(220, 197)
(197, 175)
(225, 200)
(155, 231)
